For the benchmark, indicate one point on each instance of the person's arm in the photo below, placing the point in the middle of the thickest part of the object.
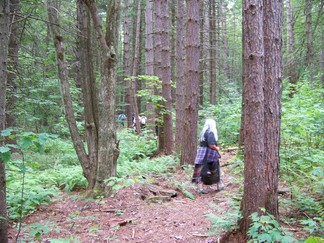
(214, 147)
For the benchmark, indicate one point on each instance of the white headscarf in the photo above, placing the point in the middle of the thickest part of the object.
(211, 125)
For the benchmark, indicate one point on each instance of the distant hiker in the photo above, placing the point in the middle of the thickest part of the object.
(207, 169)
(122, 119)
(133, 120)
(142, 120)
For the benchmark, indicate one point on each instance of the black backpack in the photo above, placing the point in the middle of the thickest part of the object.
(210, 173)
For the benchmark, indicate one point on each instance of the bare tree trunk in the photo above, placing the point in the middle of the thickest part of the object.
(192, 81)
(202, 61)
(212, 64)
(172, 29)
(309, 35)
(149, 61)
(166, 80)
(4, 42)
(291, 57)
(12, 62)
(65, 87)
(135, 69)
(262, 23)
(253, 61)
(180, 79)
(158, 64)
(89, 91)
(272, 101)
(108, 151)
(127, 71)
(217, 49)
(225, 41)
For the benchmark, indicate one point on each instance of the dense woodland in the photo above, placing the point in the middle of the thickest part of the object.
(69, 68)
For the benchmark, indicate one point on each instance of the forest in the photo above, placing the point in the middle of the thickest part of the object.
(71, 170)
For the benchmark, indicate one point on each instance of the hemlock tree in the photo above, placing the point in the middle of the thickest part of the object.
(262, 33)
(4, 41)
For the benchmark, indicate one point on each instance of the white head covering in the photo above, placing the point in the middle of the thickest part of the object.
(211, 125)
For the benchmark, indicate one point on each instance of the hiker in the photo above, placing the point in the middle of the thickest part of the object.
(122, 119)
(142, 120)
(207, 169)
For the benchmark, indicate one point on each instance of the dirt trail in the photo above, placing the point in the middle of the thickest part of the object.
(125, 217)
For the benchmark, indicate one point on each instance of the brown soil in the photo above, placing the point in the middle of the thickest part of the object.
(126, 217)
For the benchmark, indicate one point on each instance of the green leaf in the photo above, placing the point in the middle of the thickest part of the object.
(42, 138)
(25, 143)
(288, 239)
(5, 156)
(4, 149)
(6, 132)
(265, 238)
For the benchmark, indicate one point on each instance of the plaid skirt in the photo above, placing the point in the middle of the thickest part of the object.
(204, 155)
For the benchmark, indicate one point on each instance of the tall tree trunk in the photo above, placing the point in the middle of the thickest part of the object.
(4, 42)
(262, 23)
(12, 62)
(180, 79)
(217, 49)
(272, 100)
(52, 10)
(126, 65)
(309, 35)
(192, 81)
(253, 62)
(212, 55)
(166, 80)
(225, 41)
(158, 64)
(108, 151)
(89, 90)
(135, 68)
(172, 29)
(149, 61)
(291, 57)
(202, 61)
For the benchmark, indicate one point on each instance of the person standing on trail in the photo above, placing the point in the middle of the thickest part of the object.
(207, 168)
(122, 119)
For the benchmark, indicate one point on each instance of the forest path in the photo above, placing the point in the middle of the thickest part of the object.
(125, 217)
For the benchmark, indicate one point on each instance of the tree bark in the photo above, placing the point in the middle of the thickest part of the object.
(126, 65)
(180, 79)
(212, 55)
(272, 101)
(166, 80)
(65, 87)
(291, 57)
(192, 81)
(262, 41)
(309, 35)
(149, 61)
(108, 151)
(202, 61)
(133, 99)
(12, 62)
(89, 91)
(253, 99)
(4, 42)
(157, 68)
